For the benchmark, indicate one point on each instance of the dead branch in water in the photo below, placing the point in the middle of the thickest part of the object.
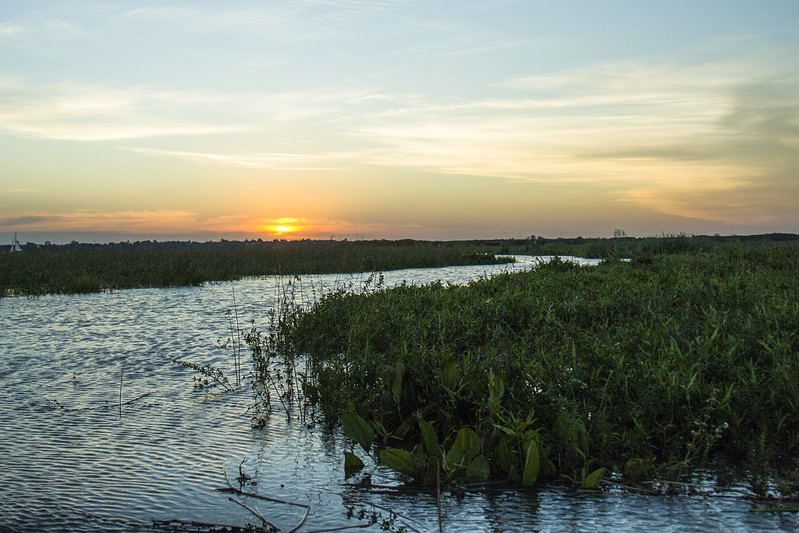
(231, 488)
(256, 513)
(98, 407)
(203, 527)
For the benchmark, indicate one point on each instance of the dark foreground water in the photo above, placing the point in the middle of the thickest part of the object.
(72, 460)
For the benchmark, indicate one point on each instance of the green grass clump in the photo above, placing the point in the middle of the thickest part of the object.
(673, 361)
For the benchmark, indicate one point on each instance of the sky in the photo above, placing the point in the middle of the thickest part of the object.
(372, 119)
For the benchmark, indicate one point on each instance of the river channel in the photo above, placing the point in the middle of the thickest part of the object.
(73, 459)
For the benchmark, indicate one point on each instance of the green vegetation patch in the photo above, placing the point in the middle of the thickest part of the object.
(91, 268)
(666, 361)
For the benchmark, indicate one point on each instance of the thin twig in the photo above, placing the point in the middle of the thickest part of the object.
(255, 512)
(279, 397)
(342, 528)
(227, 479)
(127, 402)
(706, 491)
(139, 397)
(680, 483)
(237, 350)
(302, 520)
(105, 406)
(260, 497)
(199, 526)
(630, 487)
(121, 375)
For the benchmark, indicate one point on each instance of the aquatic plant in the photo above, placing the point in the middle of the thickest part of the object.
(209, 376)
(674, 360)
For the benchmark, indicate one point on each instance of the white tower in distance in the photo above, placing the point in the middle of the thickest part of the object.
(15, 245)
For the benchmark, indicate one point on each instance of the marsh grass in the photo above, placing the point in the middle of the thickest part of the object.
(654, 367)
(92, 268)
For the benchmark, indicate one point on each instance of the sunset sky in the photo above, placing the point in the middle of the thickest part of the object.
(456, 119)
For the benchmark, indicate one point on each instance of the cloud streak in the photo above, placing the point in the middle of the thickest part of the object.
(665, 137)
(9, 29)
(299, 20)
(128, 222)
(78, 112)
(272, 161)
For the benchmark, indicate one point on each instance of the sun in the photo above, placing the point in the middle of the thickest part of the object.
(280, 226)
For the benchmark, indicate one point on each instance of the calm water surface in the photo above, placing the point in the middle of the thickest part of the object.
(71, 460)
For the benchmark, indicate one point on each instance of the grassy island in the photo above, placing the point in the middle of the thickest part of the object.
(655, 366)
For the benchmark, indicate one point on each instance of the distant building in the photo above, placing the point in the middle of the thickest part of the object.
(15, 247)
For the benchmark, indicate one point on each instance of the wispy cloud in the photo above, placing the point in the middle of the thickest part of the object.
(81, 112)
(17, 191)
(7, 29)
(296, 20)
(37, 34)
(22, 221)
(273, 161)
(142, 222)
(89, 220)
(745, 166)
(73, 111)
(493, 47)
(665, 137)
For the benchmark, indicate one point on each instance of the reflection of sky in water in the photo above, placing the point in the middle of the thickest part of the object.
(85, 468)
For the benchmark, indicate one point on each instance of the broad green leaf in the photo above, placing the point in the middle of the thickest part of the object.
(358, 430)
(547, 469)
(429, 437)
(396, 385)
(496, 389)
(478, 469)
(463, 450)
(506, 458)
(399, 460)
(592, 480)
(450, 374)
(532, 464)
(352, 461)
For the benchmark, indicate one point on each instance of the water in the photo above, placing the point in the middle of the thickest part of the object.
(72, 460)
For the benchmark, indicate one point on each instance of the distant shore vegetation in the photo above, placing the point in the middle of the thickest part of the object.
(81, 267)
